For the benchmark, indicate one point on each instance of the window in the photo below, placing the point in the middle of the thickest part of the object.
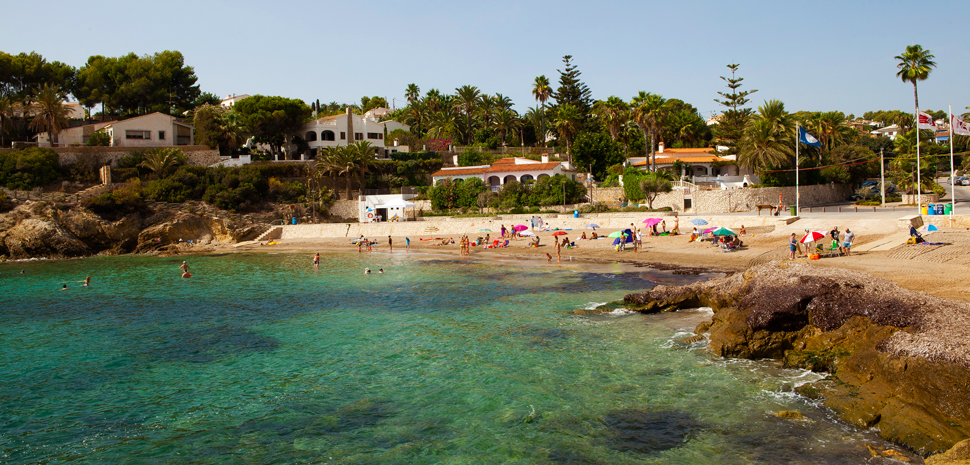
(161, 135)
(310, 136)
(138, 134)
(343, 135)
(328, 135)
(358, 136)
(372, 135)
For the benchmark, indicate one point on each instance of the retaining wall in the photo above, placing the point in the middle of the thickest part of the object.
(199, 155)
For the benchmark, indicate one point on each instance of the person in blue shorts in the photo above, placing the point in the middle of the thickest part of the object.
(792, 246)
(847, 241)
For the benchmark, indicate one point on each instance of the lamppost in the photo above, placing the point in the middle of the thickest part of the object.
(564, 194)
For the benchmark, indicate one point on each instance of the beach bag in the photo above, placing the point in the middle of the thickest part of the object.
(813, 256)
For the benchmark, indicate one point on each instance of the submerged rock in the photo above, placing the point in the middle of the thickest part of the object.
(899, 359)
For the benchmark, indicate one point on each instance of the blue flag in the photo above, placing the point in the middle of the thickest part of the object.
(807, 138)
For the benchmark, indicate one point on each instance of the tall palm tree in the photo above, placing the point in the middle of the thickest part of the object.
(52, 115)
(613, 112)
(363, 155)
(468, 97)
(542, 91)
(329, 164)
(915, 65)
(487, 108)
(567, 120)
(412, 93)
(505, 121)
(433, 100)
(649, 111)
(235, 131)
(502, 102)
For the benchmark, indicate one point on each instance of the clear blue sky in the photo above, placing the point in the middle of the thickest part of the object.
(820, 55)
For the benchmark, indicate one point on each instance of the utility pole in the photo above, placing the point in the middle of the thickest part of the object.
(882, 177)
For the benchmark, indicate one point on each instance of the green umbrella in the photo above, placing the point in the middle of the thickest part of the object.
(723, 232)
(616, 234)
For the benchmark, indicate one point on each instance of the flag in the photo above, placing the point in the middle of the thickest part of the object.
(925, 121)
(807, 138)
(959, 127)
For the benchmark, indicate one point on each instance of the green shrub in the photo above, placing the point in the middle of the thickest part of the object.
(29, 168)
(286, 192)
(416, 156)
(119, 202)
(5, 204)
(100, 138)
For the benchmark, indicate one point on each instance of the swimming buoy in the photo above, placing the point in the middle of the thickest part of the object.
(370, 215)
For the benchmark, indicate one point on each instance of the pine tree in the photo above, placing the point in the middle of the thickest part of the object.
(730, 128)
(573, 91)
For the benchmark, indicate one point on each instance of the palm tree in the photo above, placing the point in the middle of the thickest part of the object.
(502, 102)
(412, 93)
(914, 65)
(542, 91)
(613, 113)
(234, 130)
(487, 107)
(764, 146)
(51, 115)
(329, 164)
(363, 155)
(505, 121)
(567, 120)
(649, 112)
(468, 97)
(162, 160)
(6, 109)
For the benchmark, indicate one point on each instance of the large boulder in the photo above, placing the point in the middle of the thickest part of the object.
(35, 237)
(900, 360)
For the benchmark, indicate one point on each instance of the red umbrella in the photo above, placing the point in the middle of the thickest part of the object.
(520, 227)
(559, 233)
(813, 236)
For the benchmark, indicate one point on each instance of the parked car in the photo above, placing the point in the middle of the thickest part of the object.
(965, 182)
(958, 180)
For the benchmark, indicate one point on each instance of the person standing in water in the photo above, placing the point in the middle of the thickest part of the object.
(407, 244)
(316, 260)
(390, 245)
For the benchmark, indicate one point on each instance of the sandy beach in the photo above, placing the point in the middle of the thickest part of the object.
(879, 249)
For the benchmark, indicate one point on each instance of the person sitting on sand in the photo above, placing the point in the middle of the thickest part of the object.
(583, 237)
(693, 236)
(743, 231)
(593, 236)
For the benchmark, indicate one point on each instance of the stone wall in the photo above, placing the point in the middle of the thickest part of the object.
(199, 155)
(613, 195)
(744, 200)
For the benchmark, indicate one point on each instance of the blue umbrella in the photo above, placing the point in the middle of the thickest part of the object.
(698, 221)
(592, 225)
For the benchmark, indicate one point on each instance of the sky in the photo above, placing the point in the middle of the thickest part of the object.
(813, 56)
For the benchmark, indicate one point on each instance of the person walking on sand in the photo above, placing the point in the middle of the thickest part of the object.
(847, 242)
(792, 246)
(638, 242)
(390, 245)
(532, 222)
(407, 244)
(558, 252)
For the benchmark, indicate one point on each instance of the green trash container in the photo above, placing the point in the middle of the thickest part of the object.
(794, 210)
(948, 209)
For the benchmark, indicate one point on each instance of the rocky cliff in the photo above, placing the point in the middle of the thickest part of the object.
(50, 230)
(899, 360)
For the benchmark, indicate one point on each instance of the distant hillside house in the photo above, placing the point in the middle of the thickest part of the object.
(505, 170)
(151, 130)
(231, 100)
(76, 134)
(889, 131)
(346, 129)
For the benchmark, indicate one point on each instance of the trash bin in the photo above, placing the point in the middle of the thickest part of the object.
(931, 210)
(922, 210)
(794, 210)
(575, 213)
(948, 209)
(294, 220)
(940, 209)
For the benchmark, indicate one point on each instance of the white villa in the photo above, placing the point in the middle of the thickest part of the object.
(505, 170)
(889, 131)
(343, 130)
(231, 100)
(151, 130)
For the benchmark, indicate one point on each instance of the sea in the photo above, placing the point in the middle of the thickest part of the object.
(262, 358)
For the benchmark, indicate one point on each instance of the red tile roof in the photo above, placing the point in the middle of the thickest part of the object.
(504, 165)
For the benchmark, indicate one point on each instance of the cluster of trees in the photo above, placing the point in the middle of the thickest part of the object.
(130, 85)
(474, 193)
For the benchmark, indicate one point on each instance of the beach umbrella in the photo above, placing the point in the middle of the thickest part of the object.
(723, 232)
(484, 230)
(708, 230)
(592, 225)
(652, 221)
(698, 222)
(929, 228)
(813, 236)
(519, 227)
(430, 229)
(527, 233)
(559, 233)
(616, 234)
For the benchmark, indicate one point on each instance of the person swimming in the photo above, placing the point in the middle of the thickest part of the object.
(381, 271)
(366, 270)
(64, 288)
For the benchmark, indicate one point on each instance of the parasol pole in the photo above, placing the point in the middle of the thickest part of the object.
(797, 143)
(953, 181)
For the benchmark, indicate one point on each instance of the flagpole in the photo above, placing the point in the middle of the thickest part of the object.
(798, 137)
(919, 184)
(953, 181)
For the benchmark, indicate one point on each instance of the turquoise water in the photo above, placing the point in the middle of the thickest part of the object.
(261, 359)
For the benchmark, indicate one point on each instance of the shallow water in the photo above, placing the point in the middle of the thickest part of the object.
(261, 359)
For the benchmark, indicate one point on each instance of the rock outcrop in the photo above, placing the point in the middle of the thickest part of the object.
(900, 360)
(47, 230)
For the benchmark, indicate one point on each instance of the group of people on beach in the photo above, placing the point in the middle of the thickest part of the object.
(844, 247)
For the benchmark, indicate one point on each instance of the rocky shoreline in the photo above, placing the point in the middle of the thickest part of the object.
(53, 230)
(898, 359)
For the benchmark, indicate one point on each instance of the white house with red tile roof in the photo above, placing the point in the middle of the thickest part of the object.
(702, 161)
(505, 170)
